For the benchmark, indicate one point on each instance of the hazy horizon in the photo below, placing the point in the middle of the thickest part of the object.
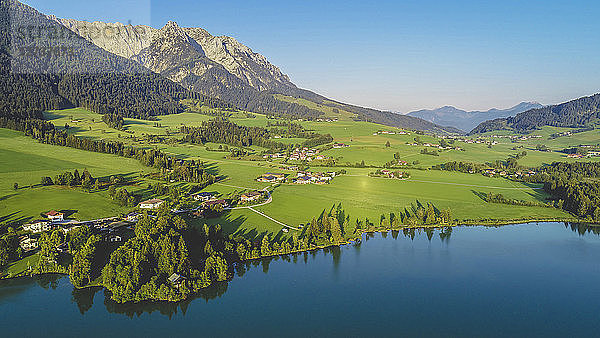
(398, 57)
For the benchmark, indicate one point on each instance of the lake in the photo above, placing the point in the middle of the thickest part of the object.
(516, 280)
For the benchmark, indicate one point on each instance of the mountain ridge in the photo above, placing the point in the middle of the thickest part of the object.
(576, 113)
(467, 120)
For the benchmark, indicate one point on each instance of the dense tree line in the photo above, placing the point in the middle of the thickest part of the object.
(292, 129)
(501, 199)
(123, 197)
(573, 186)
(72, 179)
(113, 120)
(83, 258)
(10, 250)
(432, 152)
(222, 130)
(418, 214)
(49, 254)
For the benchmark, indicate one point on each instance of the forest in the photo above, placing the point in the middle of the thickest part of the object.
(222, 130)
(573, 186)
(576, 113)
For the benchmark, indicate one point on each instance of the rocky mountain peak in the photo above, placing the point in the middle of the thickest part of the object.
(178, 43)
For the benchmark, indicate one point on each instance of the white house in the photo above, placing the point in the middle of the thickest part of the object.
(151, 204)
(202, 196)
(55, 216)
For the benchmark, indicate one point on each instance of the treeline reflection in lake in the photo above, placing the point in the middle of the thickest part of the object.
(84, 298)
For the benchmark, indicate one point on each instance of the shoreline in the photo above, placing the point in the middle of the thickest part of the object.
(356, 238)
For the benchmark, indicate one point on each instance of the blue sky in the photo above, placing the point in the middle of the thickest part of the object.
(397, 55)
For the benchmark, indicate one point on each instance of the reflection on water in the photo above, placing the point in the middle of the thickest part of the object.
(583, 229)
(84, 298)
(164, 308)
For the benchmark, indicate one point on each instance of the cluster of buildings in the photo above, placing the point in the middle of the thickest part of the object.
(587, 155)
(328, 119)
(306, 154)
(306, 177)
(340, 145)
(298, 154)
(274, 156)
(391, 174)
(432, 145)
(491, 172)
(385, 132)
(109, 228)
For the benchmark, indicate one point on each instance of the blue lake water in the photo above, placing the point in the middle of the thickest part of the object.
(517, 280)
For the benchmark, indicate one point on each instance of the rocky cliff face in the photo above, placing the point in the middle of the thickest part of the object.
(252, 68)
(162, 49)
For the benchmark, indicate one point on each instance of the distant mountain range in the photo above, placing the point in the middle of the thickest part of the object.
(467, 120)
(576, 113)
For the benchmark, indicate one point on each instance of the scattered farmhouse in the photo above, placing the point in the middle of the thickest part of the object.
(276, 155)
(390, 174)
(176, 279)
(151, 203)
(132, 217)
(340, 145)
(203, 196)
(38, 226)
(306, 177)
(251, 196)
(55, 216)
(271, 177)
(214, 203)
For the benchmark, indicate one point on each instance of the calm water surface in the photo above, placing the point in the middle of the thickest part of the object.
(524, 280)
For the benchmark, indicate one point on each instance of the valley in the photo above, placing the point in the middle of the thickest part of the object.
(160, 162)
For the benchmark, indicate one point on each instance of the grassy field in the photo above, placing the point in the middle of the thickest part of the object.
(362, 196)
(25, 161)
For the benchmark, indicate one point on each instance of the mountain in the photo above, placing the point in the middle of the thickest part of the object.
(576, 113)
(467, 120)
(218, 67)
(44, 65)
(221, 67)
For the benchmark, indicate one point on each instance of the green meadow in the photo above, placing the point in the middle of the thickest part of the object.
(25, 161)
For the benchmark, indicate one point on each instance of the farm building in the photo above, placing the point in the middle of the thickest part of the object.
(251, 196)
(151, 204)
(54, 215)
(203, 196)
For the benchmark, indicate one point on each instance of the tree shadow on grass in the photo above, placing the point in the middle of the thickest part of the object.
(539, 195)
